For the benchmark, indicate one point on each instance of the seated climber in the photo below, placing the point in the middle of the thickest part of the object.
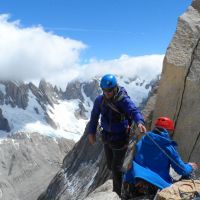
(154, 154)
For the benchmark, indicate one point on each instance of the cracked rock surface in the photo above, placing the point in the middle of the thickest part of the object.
(179, 90)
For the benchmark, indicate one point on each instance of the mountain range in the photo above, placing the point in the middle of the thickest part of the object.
(39, 125)
(51, 111)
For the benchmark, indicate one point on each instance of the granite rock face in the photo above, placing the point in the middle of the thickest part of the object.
(104, 192)
(83, 170)
(179, 90)
(92, 89)
(4, 126)
(74, 90)
(16, 94)
(77, 90)
(50, 93)
(28, 162)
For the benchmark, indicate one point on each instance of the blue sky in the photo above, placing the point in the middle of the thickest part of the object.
(63, 40)
(109, 28)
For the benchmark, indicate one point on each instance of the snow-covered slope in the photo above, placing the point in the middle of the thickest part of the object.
(33, 117)
(56, 113)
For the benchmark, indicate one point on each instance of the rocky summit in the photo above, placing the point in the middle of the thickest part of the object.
(179, 89)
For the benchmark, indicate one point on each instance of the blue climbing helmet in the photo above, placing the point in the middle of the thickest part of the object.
(108, 81)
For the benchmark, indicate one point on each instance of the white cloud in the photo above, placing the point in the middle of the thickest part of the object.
(147, 67)
(32, 54)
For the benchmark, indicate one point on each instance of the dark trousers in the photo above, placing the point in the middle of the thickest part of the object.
(115, 154)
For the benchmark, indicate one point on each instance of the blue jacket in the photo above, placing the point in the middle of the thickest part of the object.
(109, 119)
(152, 165)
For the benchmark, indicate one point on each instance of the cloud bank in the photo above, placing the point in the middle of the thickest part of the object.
(147, 67)
(32, 53)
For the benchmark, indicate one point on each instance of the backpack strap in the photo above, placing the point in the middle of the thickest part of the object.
(119, 97)
(112, 106)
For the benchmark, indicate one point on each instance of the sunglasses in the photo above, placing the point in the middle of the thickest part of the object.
(108, 90)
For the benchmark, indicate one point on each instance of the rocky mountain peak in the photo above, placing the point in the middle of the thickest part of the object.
(82, 90)
(16, 94)
(49, 92)
(92, 89)
(75, 89)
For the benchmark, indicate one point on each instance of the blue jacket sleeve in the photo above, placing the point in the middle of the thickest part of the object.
(131, 111)
(177, 164)
(94, 118)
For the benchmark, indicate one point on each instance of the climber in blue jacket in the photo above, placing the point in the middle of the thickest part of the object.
(154, 154)
(116, 111)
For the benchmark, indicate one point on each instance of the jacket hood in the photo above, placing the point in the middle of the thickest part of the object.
(121, 92)
(161, 138)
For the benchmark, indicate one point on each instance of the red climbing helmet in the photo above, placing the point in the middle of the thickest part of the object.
(165, 122)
